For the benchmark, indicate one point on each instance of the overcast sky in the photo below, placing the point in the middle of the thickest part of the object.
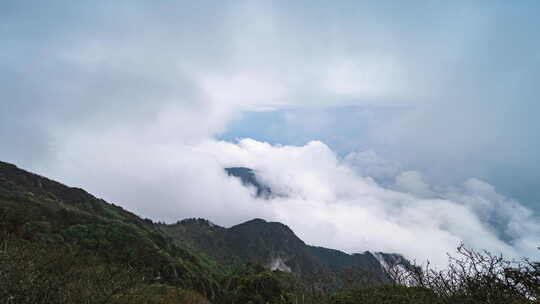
(417, 118)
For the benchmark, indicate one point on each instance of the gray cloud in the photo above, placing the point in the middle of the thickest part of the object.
(124, 99)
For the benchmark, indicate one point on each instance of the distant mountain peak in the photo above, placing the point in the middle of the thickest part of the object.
(262, 228)
(196, 221)
(249, 178)
(256, 220)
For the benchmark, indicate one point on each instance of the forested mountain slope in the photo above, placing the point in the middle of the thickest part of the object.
(60, 244)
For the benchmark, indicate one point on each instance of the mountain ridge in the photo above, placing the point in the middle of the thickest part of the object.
(248, 177)
(193, 253)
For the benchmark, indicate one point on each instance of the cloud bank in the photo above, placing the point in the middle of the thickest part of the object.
(327, 200)
(334, 203)
(126, 99)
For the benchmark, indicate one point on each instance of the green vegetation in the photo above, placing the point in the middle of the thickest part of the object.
(31, 273)
(62, 245)
(257, 284)
(49, 215)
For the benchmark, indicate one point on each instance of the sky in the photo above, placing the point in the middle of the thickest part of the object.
(387, 126)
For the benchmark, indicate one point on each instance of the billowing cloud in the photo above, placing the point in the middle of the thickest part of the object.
(325, 199)
(413, 182)
(126, 98)
(328, 202)
(370, 164)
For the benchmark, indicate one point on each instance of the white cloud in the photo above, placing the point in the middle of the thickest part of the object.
(366, 75)
(370, 164)
(329, 204)
(413, 182)
(128, 100)
(326, 200)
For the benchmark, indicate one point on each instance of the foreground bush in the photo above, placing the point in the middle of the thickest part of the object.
(32, 273)
(258, 285)
(386, 295)
(477, 277)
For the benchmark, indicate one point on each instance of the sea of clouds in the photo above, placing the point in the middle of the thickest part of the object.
(356, 203)
(127, 99)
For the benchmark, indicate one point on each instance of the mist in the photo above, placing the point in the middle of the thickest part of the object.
(386, 126)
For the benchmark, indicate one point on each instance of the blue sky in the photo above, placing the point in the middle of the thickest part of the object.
(447, 90)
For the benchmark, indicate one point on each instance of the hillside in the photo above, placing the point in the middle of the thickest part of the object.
(39, 208)
(63, 245)
(36, 208)
(277, 247)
